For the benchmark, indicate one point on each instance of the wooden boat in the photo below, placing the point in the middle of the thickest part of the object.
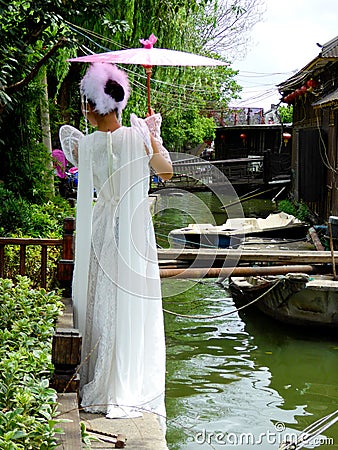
(232, 233)
(295, 298)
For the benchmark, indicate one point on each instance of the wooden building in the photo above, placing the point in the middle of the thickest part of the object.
(313, 92)
(240, 141)
(264, 140)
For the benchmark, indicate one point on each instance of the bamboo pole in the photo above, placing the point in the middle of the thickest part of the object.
(216, 272)
(248, 256)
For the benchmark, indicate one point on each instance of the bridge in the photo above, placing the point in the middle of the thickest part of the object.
(195, 173)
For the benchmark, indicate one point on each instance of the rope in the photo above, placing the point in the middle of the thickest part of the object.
(311, 432)
(216, 316)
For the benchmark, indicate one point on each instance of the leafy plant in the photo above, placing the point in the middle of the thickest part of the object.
(297, 209)
(86, 437)
(14, 211)
(286, 114)
(27, 403)
(19, 218)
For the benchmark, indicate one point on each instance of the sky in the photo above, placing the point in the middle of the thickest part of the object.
(283, 43)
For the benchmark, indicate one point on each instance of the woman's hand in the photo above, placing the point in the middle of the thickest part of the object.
(151, 112)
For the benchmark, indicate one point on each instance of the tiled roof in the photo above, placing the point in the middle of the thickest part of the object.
(330, 49)
(329, 52)
(327, 100)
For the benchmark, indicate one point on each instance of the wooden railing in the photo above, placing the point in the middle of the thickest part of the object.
(65, 265)
(67, 341)
(212, 171)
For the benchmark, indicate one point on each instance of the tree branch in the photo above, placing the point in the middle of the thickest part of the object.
(24, 82)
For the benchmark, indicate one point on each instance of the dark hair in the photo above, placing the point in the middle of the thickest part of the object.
(115, 90)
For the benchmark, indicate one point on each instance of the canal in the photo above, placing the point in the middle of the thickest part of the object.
(237, 381)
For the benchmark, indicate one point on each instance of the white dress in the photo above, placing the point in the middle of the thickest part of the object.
(116, 284)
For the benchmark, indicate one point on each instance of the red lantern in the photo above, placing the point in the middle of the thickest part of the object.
(303, 89)
(243, 137)
(286, 137)
(289, 98)
(311, 84)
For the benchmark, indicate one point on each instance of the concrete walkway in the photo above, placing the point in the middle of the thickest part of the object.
(141, 433)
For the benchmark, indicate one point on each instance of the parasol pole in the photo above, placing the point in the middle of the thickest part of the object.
(148, 70)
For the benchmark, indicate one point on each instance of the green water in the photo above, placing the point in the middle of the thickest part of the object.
(238, 381)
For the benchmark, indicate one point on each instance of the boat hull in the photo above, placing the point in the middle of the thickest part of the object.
(209, 239)
(294, 299)
(233, 232)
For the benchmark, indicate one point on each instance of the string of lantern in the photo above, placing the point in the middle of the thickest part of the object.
(309, 86)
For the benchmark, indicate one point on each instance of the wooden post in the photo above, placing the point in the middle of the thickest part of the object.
(315, 239)
(22, 270)
(65, 266)
(67, 341)
(267, 166)
(66, 357)
(332, 251)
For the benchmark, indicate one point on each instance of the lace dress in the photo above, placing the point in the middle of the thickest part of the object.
(116, 285)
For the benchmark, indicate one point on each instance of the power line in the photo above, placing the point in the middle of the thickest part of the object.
(181, 90)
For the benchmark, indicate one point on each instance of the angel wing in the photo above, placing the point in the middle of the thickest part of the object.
(70, 138)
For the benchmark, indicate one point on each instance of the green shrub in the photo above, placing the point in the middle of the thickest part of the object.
(18, 218)
(14, 212)
(27, 403)
(297, 209)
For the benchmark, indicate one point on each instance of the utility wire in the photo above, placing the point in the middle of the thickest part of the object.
(88, 33)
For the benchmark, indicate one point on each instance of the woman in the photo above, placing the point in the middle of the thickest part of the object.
(116, 285)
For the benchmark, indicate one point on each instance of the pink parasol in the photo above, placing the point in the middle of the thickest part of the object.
(148, 56)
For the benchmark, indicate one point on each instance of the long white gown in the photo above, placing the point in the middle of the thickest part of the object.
(116, 284)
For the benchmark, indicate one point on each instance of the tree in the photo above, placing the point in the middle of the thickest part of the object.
(286, 114)
(225, 25)
(31, 34)
(44, 33)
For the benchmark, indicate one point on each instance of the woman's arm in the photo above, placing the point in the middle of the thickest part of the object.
(162, 167)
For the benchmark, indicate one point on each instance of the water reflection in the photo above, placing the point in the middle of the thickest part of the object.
(246, 376)
(303, 364)
(239, 377)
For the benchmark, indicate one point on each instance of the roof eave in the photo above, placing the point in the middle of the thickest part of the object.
(304, 74)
